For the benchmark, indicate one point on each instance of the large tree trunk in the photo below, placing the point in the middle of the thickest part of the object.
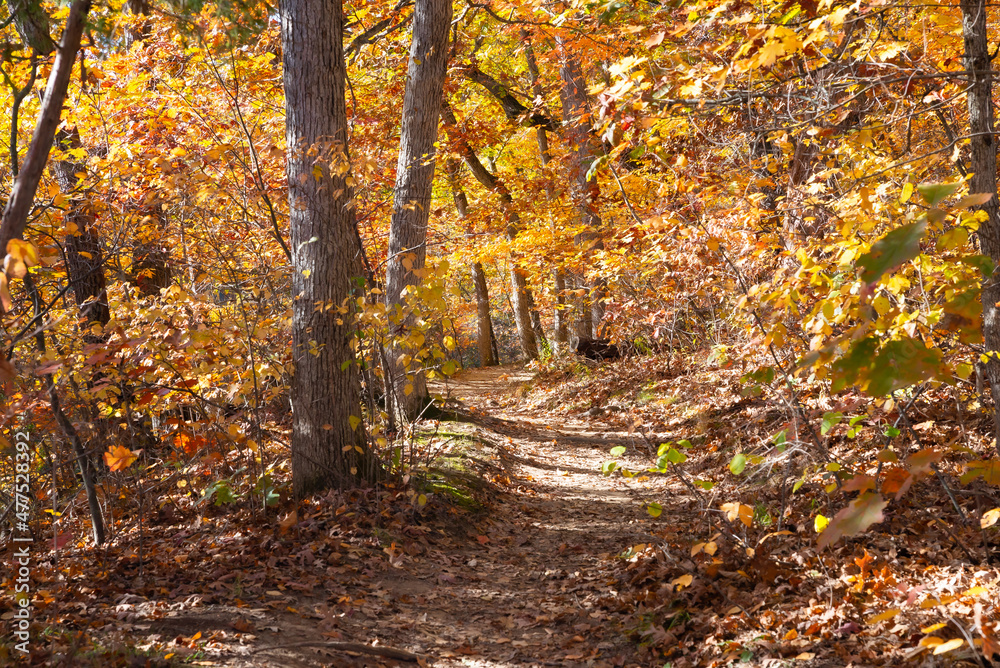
(412, 195)
(520, 295)
(584, 191)
(484, 321)
(983, 165)
(328, 440)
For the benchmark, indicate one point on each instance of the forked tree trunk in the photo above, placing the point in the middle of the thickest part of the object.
(328, 439)
(983, 165)
(412, 196)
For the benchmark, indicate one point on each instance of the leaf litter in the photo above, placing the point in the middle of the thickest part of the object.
(546, 561)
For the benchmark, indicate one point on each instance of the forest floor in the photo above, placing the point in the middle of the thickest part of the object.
(525, 554)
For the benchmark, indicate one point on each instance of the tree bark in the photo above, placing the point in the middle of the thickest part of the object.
(137, 32)
(412, 195)
(520, 295)
(22, 196)
(84, 256)
(32, 24)
(484, 321)
(559, 327)
(584, 191)
(328, 441)
(512, 108)
(983, 165)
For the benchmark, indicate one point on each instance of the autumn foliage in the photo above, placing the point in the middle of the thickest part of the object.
(782, 193)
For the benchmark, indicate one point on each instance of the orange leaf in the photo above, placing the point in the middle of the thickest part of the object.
(119, 457)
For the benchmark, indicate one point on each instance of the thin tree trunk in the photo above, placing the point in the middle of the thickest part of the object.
(22, 196)
(484, 321)
(329, 448)
(412, 195)
(519, 285)
(87, 472)
(559, 319)
(983, 165)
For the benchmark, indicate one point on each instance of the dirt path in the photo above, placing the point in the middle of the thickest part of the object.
(530, 590)
(526, 582)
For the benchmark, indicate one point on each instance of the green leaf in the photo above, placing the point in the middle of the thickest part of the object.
(935, 193)
(704, 484)
(899, 246)
(654, 509)
(830, 420)
(618, 451)
(738, 464)
(684, 443)
(676, 456)
(891, 432)
(607, 468)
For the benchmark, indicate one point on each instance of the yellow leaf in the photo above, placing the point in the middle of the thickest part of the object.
(990, 517)
(954, 643)
(881, 305)
(683, 581)
(23, 251)
(881, 617)
(820, 523)
(769, 53)
(354, 421)
(738, 510)
(904, 197)
(933, 627)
